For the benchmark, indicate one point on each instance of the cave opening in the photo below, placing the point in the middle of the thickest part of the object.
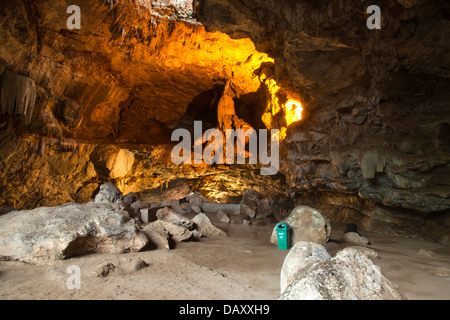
(359, 120)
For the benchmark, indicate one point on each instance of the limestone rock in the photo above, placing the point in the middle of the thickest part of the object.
(129, 198)
(53, 233)
(175, 232)
(354, 238)
(301, 256)
(140, 264)
(306, 224)
(350, 275)
(168, 215)
(249, 202)
(175, 205)
(222, 216)
(370, 253)
(205, 226)
(158, 236)
(109, 193)
(105, 269)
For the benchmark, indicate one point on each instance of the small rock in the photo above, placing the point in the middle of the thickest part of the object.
(140, 264)
(105, 269)
(426, 253)
(245, 210)
(196, 209)
(222, 217)
(175, 205)
(129, 198)
(354, 238)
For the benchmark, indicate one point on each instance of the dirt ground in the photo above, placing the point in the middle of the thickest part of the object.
(243, 266)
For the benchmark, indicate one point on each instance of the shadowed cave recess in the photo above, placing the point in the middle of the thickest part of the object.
(363, 114)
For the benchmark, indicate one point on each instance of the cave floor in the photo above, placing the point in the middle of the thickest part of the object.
(243, 266)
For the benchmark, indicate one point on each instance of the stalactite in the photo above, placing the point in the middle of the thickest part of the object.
(18, 95)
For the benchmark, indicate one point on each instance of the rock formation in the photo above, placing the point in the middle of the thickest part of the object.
(86, 106)
(48, 234)
(349, 275)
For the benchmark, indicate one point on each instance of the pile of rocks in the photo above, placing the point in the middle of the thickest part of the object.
(167, 222)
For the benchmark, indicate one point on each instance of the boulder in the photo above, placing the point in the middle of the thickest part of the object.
(205, 226)
(177, 190)
(175, 205)
(301, 256)
(109, 193)
(306, 224)
(53, 233)
(168, 215)
(350, 275)
(249, 202)
(129, 198)
(158, 236)
(263, 209)
(174, 232)
(196, 199)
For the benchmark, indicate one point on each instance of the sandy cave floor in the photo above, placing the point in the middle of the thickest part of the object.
(243, 266)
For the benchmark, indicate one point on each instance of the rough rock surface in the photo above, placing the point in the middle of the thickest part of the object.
(306, 224)
(65, 231)
(205, 226)
(350, 275)
(109, 193)
(372, 145)
(301, 256)
(354, 238)
(168, 215)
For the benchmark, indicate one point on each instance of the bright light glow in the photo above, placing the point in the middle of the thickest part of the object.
(292, 108)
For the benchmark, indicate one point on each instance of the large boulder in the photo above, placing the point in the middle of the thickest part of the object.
(53, 233)
(301, 256)
(350, 275)
(306, 224)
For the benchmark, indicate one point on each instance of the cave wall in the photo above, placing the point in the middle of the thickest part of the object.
(372, 146)
(373, 143)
